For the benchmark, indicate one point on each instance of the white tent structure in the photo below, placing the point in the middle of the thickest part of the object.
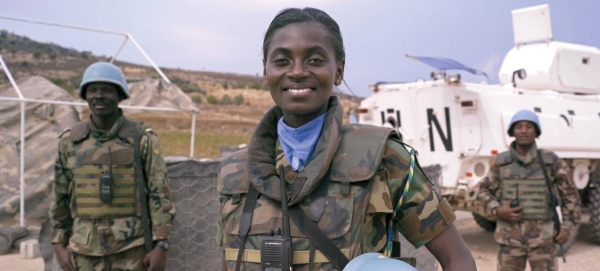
(24, 101)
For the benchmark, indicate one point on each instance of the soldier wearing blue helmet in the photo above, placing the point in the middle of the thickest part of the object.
(528, 224)
(111, 201)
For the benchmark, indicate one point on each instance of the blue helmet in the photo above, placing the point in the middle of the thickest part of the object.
(376, 261)
(527, 115)
(104, 72)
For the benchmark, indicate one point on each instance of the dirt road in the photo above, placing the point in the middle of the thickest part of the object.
(583, 256)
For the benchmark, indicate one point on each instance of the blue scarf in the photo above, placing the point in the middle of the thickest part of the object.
(299, 143)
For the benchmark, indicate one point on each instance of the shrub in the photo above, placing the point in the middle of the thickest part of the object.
(256, 85)
(212, 99)
(53, 56)
(240, 85)
(225, 85)
(24, 64)
(226, 100)
(238, 99)
(64, 84)
(37, 55)
(197, 99)
(84, 55)
(75, 81)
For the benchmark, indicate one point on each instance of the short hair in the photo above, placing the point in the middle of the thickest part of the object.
(296, 15)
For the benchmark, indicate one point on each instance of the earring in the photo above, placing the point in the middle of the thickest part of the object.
(337, 82)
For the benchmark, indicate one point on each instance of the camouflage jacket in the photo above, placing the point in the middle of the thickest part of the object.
(362, 168)
(105, 236)
(511, 166)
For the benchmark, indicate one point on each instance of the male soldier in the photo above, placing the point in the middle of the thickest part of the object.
(525, 226)
(97, 217)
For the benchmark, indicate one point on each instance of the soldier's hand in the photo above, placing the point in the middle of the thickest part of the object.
(562, 237)
(64, 256)
(155, 260)
(513, 215)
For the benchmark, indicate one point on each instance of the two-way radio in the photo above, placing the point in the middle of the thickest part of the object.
(515, 202)
(106, 182)
(276, 252)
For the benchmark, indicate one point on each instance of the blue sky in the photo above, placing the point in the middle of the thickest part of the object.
(227, 35)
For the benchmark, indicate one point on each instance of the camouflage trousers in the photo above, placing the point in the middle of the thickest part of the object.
(542, 258)
(128, 260)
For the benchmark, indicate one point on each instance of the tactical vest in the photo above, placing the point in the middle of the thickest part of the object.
(533, 193)
(88, 159)
(353, 178)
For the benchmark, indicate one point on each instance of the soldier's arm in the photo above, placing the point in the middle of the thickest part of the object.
(426, 218)
(488, 186)
(160, 204)
(423, 214)
(60, 211)
(567, 191)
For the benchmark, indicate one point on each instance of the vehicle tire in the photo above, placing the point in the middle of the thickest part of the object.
(594, 207)
(566, 246)
(485, 224)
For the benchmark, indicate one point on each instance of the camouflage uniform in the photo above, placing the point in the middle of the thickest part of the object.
(363, 168)
(532, 238)
(92, 228)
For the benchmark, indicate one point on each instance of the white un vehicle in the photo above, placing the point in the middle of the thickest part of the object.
(458, 127)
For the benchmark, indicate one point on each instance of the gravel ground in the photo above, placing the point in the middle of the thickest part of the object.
(583, 256)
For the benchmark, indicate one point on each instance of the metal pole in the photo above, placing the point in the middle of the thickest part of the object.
(22, 166)
(10, 78)
(64, 25)
(119, 50)
(149, 59)
(22, 154)
(193, 135)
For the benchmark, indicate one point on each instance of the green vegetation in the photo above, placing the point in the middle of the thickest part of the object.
(212, 99)
(186, 86)
(64, 84)
(24, 64)
(226, 100)
(197, 99)
(256, 85)
(240, 85)
(37, 55)
(238, 99)
(206, 145)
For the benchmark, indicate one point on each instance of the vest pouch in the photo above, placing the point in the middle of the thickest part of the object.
(123, 229)
(81, 234)
(532, 195)
(88, 203)
(335, 221)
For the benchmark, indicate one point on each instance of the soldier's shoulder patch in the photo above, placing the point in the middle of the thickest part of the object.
(504, 158)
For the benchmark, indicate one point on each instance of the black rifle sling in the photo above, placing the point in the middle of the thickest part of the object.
(318, 238)
(246, 221)
(554, 197)
(143, 189)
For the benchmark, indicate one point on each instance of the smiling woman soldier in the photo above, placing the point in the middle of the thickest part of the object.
(344, 183)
